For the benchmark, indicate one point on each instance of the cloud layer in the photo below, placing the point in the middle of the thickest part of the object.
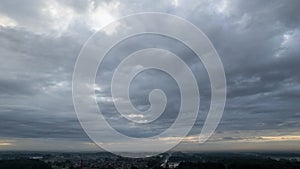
(257, 41)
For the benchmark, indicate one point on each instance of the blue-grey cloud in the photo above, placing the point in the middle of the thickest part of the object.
(257, 41)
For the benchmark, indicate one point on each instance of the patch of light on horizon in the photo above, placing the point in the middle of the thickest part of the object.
(7, 143)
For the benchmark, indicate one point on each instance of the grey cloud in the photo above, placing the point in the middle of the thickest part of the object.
(257, 42)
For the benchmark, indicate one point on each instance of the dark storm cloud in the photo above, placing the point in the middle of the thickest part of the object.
(258, 42)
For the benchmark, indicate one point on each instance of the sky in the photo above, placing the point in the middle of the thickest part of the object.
(257, 41)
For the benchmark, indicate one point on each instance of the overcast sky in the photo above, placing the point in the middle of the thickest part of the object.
(257, 41)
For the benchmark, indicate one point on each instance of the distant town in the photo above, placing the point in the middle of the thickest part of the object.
(172, 160)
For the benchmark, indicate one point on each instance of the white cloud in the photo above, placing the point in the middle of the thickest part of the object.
(60, 16)
(7, 22)
(175, 3)
(101, 15)
(222, 6)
